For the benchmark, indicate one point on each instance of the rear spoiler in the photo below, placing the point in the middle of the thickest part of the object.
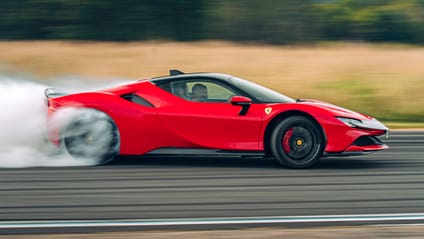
(53, 93)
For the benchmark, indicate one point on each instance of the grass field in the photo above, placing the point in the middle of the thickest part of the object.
(386, 81)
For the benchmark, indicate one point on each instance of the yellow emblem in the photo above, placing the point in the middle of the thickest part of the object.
(268, 110)
(299, 142)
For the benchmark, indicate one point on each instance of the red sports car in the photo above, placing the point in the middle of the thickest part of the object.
(204, 113)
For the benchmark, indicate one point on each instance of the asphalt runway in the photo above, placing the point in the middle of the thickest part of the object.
(391, 181)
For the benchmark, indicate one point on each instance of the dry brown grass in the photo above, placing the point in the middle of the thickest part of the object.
(386, 81)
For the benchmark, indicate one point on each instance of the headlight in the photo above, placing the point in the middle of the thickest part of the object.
(365, 124)
(350, 122)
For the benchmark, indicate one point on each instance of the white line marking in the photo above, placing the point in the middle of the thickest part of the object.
(210, 221)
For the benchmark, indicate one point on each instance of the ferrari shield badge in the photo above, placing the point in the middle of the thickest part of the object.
(268, 110)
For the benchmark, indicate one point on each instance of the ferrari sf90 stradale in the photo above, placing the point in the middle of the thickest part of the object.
(207, 113)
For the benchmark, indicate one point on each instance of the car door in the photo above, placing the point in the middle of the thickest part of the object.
(211, 122)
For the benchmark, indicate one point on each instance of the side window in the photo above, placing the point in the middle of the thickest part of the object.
(205, 91)
(178, 88)
(200, 90)
(166, 86)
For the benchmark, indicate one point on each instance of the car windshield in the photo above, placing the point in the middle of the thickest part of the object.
(262, 94)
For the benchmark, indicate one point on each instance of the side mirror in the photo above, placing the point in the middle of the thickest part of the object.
(242, 101)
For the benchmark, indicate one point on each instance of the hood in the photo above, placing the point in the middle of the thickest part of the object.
(334, 109)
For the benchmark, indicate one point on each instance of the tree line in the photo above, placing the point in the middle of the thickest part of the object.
(266, 21)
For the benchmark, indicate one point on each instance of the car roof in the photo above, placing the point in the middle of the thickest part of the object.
(247, 88)
(172, 77)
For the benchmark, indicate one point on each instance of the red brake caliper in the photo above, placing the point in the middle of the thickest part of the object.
(286, 140)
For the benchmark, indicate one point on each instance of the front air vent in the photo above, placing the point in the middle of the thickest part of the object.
(367, 140)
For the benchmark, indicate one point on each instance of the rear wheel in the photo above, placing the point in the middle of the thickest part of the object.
(297, 142)
(91, 135)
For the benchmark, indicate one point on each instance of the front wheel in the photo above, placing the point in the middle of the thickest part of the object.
(297, 142)
(91, 135)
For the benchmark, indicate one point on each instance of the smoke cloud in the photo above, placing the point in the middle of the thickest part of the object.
(23, 122)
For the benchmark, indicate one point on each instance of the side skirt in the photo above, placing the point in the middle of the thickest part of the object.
(345, 154)
(184, 152)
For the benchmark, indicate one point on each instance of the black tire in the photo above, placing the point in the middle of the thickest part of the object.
(91, 135)
(297, 142)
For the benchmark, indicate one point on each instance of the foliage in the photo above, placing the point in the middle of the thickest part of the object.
(267, 21)
(373, 20)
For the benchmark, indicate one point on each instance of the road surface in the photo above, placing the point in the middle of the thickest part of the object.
(387, 182)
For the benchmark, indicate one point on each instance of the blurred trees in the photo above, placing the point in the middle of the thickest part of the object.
(372, 20)
(267, 21)
(100, 20)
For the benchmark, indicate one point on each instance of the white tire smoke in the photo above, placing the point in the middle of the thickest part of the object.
(23, 126)
(87, 134)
